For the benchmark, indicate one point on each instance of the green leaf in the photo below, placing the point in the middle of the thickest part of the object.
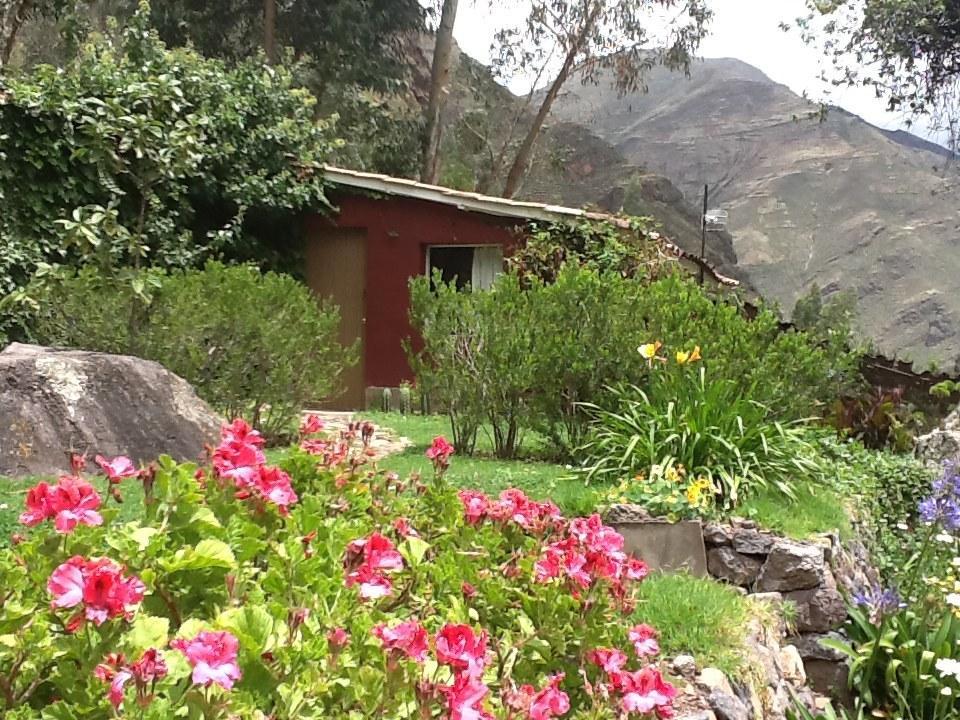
(147, 631)
(414, 549)
(208, 553)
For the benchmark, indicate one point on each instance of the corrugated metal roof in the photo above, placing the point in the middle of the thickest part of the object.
(496, 206)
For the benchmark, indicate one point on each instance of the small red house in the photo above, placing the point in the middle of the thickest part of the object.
(386, 230)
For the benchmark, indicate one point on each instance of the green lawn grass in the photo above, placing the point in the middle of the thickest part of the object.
(816, 509)
(698, 617)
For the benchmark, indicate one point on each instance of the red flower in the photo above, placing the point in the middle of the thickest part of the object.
(403, 528)
(366, 561)
(610, 660)
(274, 485)
(549, 702)
(439, 454)
(464, 698)
(147, 670)
(311, 425)
(120, 468)
(71, 502)
(99, 585)
(408, 638)
(213, 657)
(338, 638)
(239, 456)
(644, 639)
(645, 691)
(460, 648)
(475, 505)
(468, 590)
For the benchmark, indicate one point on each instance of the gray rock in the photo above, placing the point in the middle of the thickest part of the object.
(751, 542)
(792, 566)
(627, 513)
(791, 664)
(684, 666)
(821, 609)
(810, 647)
(726, 564)
(727, 706)
(55, 401)
(940, 444)
(696, 715)
(716, 534)
(711, 679)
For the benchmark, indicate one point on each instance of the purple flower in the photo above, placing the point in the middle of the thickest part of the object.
(879, 602)
(943, 505)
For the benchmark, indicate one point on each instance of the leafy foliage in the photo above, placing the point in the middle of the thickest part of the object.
(259, 344)
(215, 557)
(134, 154)
(907, 51)
(878, 418)
(689, 438)
(527, 353)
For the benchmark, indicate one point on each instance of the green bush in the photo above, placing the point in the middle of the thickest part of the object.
(710, 429)
(250, 342)
(526, 354)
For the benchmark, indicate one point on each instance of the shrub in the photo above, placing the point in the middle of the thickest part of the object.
(720, 440)
(905, 639)
(879, 418)
(526, 354)
(250, 342)
(323, 589)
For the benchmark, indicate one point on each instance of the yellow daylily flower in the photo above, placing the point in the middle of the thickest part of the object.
(695, 355)
(688, 357)
(649, 350)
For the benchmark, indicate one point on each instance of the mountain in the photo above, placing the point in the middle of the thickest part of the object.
(838, 202)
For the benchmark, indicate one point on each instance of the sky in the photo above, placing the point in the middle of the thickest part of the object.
(748, 30)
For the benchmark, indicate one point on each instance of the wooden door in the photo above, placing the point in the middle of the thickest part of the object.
(337, 269)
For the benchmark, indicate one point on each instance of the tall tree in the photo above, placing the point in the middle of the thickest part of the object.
(439, 77)
(907, 51)
(589, 37)
(270, 30)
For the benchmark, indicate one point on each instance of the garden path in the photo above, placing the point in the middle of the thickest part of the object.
(385, 441)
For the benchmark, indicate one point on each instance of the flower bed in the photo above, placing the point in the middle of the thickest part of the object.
(316, 589)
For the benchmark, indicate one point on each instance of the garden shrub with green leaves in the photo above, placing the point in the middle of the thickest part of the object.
(251, 343)
(687, 441)
(527, 354)
(318, 589)
(133, 154)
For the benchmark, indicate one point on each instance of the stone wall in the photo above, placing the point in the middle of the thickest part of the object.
(814, 576)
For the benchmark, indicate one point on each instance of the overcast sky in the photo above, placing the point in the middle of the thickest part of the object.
(744, 29)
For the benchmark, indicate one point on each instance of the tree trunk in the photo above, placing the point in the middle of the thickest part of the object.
(439, 76)
(270, 30)
(521, 162)
(12, 15)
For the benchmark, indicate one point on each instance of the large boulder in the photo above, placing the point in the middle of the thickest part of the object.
(55, 401)
(942, 443)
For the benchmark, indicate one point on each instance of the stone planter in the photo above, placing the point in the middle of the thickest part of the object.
(664, 545)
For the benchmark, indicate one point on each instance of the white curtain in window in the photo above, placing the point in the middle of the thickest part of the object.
(487, 264)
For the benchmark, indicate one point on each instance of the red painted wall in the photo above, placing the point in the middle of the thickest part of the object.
(399, 230)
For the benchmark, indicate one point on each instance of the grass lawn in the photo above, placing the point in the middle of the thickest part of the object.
(698, 617)
(817, 509)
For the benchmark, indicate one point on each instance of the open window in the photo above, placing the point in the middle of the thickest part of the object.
(473, 265)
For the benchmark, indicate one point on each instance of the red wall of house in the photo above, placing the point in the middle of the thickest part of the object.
(399, 230)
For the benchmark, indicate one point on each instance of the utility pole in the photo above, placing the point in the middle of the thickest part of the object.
(703, 230)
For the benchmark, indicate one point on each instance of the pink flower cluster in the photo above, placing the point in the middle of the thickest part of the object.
(99, 586)
(239, 458)
(330, 452)
(71, 502)
(464, 651)
(642, 691)
(590, 552)
(213, 657)
(366, 563)
(144, 672)
(439, 454)
(513, 506)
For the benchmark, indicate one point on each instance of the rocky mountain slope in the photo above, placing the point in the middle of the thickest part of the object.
(838, 203)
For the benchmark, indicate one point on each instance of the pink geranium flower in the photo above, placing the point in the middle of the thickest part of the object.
(610, 660)
(408, 638)
(338, 638)
(475, 505)
(146, 671)
(550, 702)
(462, 649)
(274, 485)
(311, 425)
(120, 468)
(239, 455)
(98, 585)
(71, 502)
(645, 691)
(644, 639)
(366, 562)
(213, 657)
(440, 450)
(465, 697)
